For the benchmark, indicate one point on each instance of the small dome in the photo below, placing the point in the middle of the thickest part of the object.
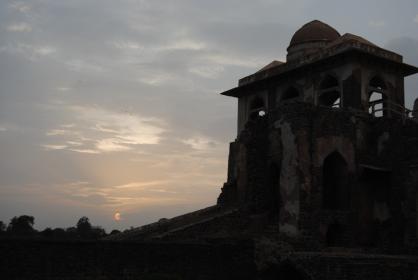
(314, 31)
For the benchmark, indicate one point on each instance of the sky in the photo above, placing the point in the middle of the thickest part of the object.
(113, 106)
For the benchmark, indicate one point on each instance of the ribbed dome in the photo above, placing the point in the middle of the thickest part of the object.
(314, 31)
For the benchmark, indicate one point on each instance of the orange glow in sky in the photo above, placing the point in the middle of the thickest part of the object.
(117, 216)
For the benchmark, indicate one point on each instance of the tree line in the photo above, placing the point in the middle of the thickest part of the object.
(23, 227)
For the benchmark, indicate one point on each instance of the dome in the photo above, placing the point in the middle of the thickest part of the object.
(314, 31)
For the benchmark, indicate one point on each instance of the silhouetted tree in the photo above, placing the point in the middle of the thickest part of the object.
(84, 228)
(47, 233)
(2, 228)
(21, 226)
(71, 233)
(56, 234)
(86, 231)
(97, 232)
(115, 231)
(59, 233)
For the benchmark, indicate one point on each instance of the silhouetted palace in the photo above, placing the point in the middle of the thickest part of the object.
(322, 177)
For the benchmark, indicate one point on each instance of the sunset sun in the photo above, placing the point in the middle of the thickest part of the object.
(117, 216)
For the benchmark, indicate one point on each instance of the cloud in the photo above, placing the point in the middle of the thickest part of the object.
(50, 147)
(19, 27)
(200, 143)
(184, 44)
(126, 127)
(207, 71)
(55, 132)
(31, 52)
(84, 151)
(112, 145)
(20, 6)
(63, 89)
(127, 45)
(79, 65)
(100, 130)
(377, 23)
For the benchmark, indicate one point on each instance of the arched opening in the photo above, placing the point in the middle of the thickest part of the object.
(257, 108)
(334, 236)
(377, 90)
(329, 92)
(336, 192)
(377, 82)
(290, 94)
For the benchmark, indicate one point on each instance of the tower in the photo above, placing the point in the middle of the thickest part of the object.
(325, 147)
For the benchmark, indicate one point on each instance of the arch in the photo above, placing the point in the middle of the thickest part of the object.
(376, 96)
(290, 94)
(377, 82)
(257, 108)
(335, 192)
(329, 92)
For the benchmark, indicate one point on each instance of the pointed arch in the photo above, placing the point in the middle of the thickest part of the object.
(257, 108)
(329, 92)
(378, 83)
(376, 96)
(335, 186)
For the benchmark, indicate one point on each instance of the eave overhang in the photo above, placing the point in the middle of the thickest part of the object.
(258, 79)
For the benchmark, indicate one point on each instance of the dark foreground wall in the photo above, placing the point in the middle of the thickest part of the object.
(32, 260)
(128, 260)
(342, 266)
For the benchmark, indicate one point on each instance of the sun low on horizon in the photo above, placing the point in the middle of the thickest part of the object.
(117, 216)
(112, 110)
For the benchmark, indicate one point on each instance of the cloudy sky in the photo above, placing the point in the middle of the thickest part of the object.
(112, 106)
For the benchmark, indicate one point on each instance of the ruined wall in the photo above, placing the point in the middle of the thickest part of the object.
(294, 141)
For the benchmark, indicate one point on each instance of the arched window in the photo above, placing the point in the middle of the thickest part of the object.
(336, 192)
(377, 91)
(290, 94)
(257, 108)
(329, 92)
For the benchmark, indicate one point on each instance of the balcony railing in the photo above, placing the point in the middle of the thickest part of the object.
(379, 108)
